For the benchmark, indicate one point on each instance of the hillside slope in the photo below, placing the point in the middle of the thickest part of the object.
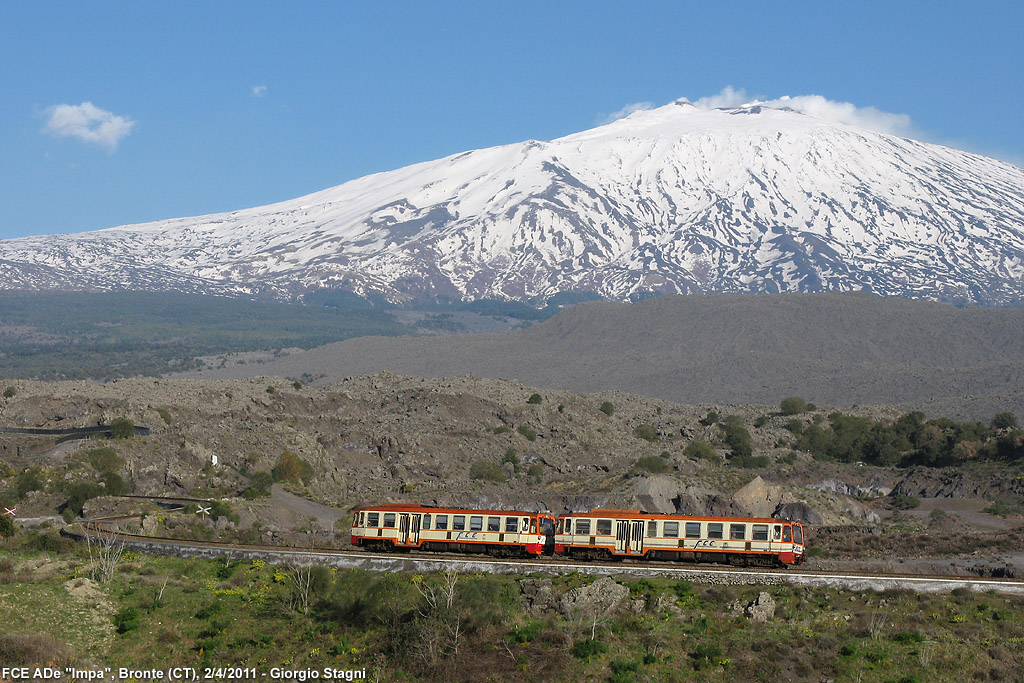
(835, 349)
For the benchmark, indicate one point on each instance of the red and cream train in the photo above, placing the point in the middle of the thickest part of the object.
(598, 534)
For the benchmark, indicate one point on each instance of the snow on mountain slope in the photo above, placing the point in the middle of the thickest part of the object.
(674, 199)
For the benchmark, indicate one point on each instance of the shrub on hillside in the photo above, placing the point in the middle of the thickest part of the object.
(607, 408)
(10, 392)
(104, 459)
(535, 399)
(653, 464)
(290, 467)
(701, 451)
(793, 405)
(1005, 420)
(528, 432)
(122, 428)
(259, 486)
(646, 431)
(736, 436)
(486, 471)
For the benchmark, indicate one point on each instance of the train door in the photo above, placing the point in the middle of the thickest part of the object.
(408, 529)
(629, 537)
(637, 544)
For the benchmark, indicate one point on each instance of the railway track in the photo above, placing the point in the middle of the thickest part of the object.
(414, 561)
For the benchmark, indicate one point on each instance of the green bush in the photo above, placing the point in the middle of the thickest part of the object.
(585, 649)
(486, 471)
(705, 655)
(528, 432)
(607, 408)
(535, 399)
(793, 405)
(535, 471)
(511, 457)
(653, 464)
(750, 461)
(164, 415)
(7, 527)
(502, 429)
(126, 619)
(1000, 421)
(711, 418)
(736, 436)
(902, 502)
(10, 392)
(761, 421)
(104, 459)
(796, 426)
(259, 486)
(701, 451)
(122, 428)
(646, 431)
(290, 467)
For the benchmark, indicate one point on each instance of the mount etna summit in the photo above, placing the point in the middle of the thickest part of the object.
(676, 199)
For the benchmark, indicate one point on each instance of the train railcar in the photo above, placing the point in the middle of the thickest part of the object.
(604, 534)
(501, 533)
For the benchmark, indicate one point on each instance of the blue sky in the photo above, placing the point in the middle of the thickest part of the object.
(199, 107)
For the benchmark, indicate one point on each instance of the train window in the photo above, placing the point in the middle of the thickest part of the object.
(459, 522)
(798, 534)
(476, 523)
(787, 537)
(511, 524)
(737, 532)
(652, 528)
(604, 527)
(547, 526)
(533, 525)
(561, 525)
(373, 519)
(356, 520)
(672, 529)
(389, 520)
(714, 530)
(760, 532)
(494, 523)
(693, 529)
(442, 522)
(583, 526)
(426, 521)
(777, 532)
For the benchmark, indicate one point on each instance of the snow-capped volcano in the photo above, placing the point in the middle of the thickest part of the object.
(675, 199)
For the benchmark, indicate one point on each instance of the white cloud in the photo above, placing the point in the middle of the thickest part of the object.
(88, 123)
(817, 106)
(626, 111)
(259, 90)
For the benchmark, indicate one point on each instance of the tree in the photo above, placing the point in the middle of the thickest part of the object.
(607, 408)
(290, 467)
(122, 428)
(7, 527)
(535, 399)
(1005, 420)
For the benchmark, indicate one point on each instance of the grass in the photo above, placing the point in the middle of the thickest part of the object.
(193, 612)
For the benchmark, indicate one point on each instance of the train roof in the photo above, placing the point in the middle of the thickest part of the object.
(407, 507)
(639, 514)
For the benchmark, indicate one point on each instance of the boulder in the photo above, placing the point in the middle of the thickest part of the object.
(599, 599)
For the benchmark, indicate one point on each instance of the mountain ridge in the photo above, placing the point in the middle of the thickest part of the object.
(752, 199)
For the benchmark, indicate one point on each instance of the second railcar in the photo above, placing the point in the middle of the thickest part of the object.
(605, 534)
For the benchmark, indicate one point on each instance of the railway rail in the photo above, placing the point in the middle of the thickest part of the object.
(414, 561)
